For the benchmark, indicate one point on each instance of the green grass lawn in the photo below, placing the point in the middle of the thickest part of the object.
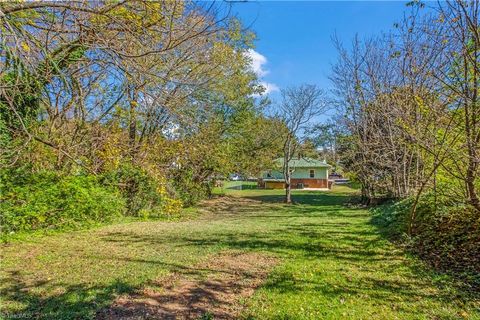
(333, 263)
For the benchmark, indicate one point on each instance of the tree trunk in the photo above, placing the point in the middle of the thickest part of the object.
(472, 193)
(132, 130)
(288, 187)
(413, 210)
(131, 184)
(287, 155)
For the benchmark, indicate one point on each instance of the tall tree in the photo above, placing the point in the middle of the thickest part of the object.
(298, 107)
(410, 103)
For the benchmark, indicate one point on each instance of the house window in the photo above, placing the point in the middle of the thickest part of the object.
(312, 173)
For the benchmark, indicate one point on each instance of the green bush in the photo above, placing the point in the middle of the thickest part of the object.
(31, 201)
(188, 190)
(138, 188)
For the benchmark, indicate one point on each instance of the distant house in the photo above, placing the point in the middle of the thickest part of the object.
(307, 173)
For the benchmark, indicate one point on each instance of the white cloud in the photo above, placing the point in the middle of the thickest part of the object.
(258, 62)
(269, 87)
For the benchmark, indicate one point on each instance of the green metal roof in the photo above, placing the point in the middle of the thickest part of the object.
(304, 163)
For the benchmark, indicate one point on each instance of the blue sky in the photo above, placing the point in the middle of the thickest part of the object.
(294, 38)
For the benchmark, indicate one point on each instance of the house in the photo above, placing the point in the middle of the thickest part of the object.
(306, 173)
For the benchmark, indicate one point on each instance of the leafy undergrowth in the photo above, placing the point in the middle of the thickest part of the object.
(447, 237)
(47, 200)
(333, 263)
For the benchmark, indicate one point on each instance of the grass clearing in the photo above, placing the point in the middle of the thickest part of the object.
(333, 263)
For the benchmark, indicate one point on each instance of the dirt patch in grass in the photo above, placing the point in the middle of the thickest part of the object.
(211, 290)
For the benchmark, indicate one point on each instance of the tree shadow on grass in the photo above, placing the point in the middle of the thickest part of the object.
(319, 229)
(63, 302)
(230, 277)
(322, 228)
(399, 295)
(304, 198)
(356, 251)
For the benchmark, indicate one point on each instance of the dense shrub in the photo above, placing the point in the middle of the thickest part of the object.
(30, 201)
(147, 194)
(445, 233)
(49, 200)
(189, 190)
(140, 190)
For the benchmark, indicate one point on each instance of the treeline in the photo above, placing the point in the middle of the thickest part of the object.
(411, 127)
(124, 107)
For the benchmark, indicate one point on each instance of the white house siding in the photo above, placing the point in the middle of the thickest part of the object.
(304, 173)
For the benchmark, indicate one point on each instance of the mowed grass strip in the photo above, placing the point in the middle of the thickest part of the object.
(333, 263)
